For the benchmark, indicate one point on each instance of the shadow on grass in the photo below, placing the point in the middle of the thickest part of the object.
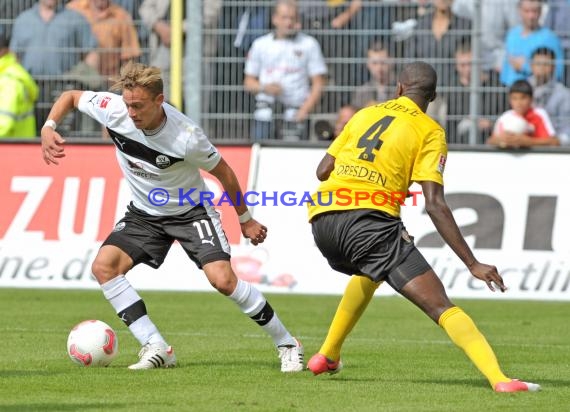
(17, 374)
(482, 383)
(466, 382)
(223, 364)
(475, 383)
(27, 407)
(340, 378)
(552, 383)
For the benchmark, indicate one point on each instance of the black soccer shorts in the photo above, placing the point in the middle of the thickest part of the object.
(369, 242)
(147, 239)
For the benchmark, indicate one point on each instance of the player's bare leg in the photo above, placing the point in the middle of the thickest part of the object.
(427, 292)
(252, 303)
(109, 267)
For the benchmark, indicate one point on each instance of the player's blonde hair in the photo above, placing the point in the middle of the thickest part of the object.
(135, 75)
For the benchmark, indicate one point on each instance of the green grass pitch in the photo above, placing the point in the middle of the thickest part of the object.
(396, 359)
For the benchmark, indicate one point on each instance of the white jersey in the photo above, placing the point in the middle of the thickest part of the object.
(291, 62)
(163, 165)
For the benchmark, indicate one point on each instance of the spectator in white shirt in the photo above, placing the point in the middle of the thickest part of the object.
(285, 70)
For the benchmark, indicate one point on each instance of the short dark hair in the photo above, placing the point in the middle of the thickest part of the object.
(378, 46)
(544, 51)
(532, 1)
(464, 46)
(521, 86)
(420, 79)
(288, 3)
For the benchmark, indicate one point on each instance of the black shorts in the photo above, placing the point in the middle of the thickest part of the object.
(369, 242)
(147, 239)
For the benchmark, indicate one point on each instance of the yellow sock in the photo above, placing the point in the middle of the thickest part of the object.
(357, 295)
(465, 334)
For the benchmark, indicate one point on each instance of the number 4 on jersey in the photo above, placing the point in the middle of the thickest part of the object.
(373, 143)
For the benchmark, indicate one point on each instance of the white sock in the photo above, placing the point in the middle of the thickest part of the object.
(119, 292)
(253, 304)
(145, 331)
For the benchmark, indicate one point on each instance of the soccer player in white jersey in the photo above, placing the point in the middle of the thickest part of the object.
(287, 67)
(157, 146)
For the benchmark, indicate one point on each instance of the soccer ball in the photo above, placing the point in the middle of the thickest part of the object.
(514, 123)
(92, 343)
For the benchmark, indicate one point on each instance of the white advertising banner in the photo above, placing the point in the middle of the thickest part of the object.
(67, 265)
(512, 208)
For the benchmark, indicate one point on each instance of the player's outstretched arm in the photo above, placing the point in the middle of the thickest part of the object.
(52, 142)
(250, 228)
(444, 222)
(326, 166)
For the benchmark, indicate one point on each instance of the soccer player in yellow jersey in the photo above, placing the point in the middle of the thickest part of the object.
(356, 221)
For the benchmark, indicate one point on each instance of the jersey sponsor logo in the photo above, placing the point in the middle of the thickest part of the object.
(138, 170)
(104, 102)
(95, 97)
(162, 161)
(441, 163)
(361, 172)
(119, 142)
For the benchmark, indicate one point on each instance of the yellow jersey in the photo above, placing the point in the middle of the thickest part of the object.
(382, 150)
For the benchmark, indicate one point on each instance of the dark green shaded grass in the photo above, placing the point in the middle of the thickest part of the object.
(396, 359)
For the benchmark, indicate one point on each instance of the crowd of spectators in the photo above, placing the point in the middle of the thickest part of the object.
(325, 57)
